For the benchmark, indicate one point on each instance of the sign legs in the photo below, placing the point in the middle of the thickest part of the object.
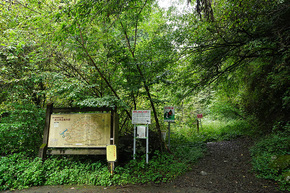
(134, 142)
(147, 141)
(147, 145)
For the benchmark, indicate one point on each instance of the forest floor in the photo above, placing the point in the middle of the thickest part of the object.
(225, 169)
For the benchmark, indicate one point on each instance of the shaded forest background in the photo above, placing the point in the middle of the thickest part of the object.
(226, 59)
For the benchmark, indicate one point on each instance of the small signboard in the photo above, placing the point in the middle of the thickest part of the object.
(141, 117)
(111, 153)
(141, 132)
(169, 114)
(199, 116)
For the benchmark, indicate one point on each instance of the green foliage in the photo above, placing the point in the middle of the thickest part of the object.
(126, 54)
(22, 129)
(161, 168)
(67, 171)
(107, 101)
(212, 130)
(239, 57)
(17, 171)
(218, 130)
(186, 151)
(271, 158)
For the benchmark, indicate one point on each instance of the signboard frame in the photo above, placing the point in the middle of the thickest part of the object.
(113, 136)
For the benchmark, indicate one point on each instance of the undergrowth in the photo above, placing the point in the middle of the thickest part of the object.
(213, 130)
(271, 158)
(17, 171)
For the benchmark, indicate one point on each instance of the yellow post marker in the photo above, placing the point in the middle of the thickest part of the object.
(111, 155)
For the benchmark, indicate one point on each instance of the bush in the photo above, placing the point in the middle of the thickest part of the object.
(271, 158)
(17, 171)
(22, 130)
(188, 150)
(214, 130)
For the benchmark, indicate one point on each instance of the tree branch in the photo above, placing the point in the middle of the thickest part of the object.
(97, 68)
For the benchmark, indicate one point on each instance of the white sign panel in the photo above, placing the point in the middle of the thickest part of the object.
(141, 117)
(141, 132)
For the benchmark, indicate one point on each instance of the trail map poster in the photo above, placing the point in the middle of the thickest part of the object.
(79, 130)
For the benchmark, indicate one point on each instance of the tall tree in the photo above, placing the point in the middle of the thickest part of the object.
(120, 49)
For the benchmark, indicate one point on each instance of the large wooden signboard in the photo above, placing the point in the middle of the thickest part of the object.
(79, 130)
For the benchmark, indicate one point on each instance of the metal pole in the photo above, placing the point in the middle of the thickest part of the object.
(147, 144)
(169, 135)
(134, 142)
(112, 168)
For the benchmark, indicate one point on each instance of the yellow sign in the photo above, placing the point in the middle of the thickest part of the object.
(79, 130)
(111, 153)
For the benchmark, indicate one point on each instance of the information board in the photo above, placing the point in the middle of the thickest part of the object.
(141, 117)
(79, 130)
(169, 114)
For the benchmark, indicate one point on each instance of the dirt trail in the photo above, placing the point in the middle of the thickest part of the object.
(225, 169)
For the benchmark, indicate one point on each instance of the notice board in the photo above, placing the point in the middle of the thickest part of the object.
(141, 117)
(169, 114)
(79, 130)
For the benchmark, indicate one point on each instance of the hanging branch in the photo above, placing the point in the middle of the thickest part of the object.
(27, 7)
(81, 42)
(67, 63)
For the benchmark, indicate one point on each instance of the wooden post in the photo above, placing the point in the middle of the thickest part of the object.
(115, 126)
(43, 147)
(169, 135)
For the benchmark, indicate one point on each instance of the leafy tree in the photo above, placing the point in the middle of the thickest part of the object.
(108, 53)
(247, 42)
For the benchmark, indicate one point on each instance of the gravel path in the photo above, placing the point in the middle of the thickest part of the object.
(225, 169)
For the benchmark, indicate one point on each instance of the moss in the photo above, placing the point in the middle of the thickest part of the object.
(281, 162)
(286, 176)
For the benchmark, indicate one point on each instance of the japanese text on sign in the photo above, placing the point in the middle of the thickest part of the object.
(141, 117)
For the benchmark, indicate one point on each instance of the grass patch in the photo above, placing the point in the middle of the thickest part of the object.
(271, 158)
(213, 130)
